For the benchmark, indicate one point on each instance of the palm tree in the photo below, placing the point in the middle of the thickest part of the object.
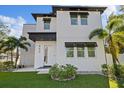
(8, 44)
(11, 43)
(4, 31)
(1, 50)
(113, 35)
(23, 44)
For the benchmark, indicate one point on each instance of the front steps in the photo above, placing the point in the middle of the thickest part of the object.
(43, 71)
(25, 69)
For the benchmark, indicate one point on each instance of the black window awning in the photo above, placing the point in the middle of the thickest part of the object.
(80, 44)
(42, 36)
(82, 14)
(46, 19)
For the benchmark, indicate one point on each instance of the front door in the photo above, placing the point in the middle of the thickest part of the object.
(49, 55)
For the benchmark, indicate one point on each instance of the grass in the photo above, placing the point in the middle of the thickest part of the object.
(33, 80)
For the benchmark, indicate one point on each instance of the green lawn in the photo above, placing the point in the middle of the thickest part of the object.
(33, 80)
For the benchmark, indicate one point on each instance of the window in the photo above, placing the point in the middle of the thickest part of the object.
(46, 25)
(70, 52)
(80, 51)
(91, 51)
(83, 19)
(79, 18)
(74, 19)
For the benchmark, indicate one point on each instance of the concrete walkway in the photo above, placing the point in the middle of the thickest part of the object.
(46, 71)
(26, 69)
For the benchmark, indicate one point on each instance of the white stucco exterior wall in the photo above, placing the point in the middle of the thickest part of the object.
(65, 32)
(79, 33)
(40, 25)
(27, 57)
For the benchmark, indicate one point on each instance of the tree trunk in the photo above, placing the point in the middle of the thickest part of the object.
(116, 72)
(112, 50)
(11, 56)
(105, 53)
(17, 56)
(7, 55)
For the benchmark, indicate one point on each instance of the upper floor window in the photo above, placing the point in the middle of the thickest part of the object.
(74, 19)
(83, 19)
(78, 18)
(46, 23)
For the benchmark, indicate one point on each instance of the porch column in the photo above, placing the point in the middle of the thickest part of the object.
(38, 55)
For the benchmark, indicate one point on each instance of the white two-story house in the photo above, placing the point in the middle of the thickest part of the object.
(62, 37)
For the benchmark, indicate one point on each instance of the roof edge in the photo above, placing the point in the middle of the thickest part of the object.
(68, 8)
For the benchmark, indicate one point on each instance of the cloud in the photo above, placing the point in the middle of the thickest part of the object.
(15, 24)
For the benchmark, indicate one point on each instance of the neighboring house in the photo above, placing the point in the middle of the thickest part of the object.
(62, 37)
(6, 57)
(3, 57)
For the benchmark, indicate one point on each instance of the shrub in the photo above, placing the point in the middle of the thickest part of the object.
(105, 68)
(54, 71)
(6, 66)
(61, 72)
(70, 70)
(120, 71)
(111, 72)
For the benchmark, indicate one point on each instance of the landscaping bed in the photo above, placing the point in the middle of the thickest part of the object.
(63, 72)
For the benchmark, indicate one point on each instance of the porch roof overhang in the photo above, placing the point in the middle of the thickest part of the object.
(42, 36)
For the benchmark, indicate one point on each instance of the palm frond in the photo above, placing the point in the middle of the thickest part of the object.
(114, 23)
(101, 33)
(118, 36)
(27, 43)
(119, 29)
(23, 47)
(22, 38)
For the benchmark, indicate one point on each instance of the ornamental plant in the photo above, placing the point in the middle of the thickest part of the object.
(62, 72)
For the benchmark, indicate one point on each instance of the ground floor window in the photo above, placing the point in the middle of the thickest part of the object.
(70, 52)
(91, 51)
(80, 51)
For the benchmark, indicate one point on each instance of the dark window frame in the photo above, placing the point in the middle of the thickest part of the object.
(74, 19)
(69, 51)
(84, 19)
(91, 53)
(74, 16)
(47, 23)
(80, 51)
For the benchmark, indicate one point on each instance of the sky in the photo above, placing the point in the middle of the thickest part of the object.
(16, 15)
